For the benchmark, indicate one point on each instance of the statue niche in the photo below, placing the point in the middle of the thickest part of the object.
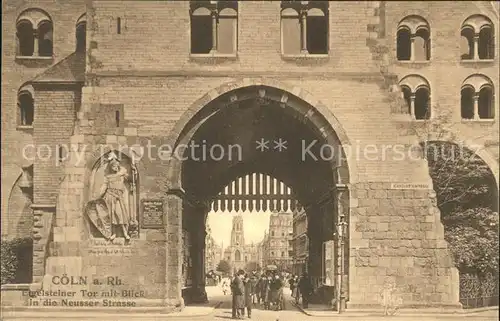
(112, 209)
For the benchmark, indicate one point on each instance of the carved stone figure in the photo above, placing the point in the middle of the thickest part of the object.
(114, 209)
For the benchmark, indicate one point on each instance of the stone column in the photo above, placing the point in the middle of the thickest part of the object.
(35, 43)
(412, 48)
(303, 31)
(476, 107)
(412, 106)
(214, 31)
(342, 200)
(173, 230)
(197, 228)
(476, 47)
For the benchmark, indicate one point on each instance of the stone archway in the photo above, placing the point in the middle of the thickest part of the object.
(298, 106)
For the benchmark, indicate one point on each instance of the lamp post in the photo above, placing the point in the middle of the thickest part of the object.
(341, 228)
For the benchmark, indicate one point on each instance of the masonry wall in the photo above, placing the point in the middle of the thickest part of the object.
(52, 138)
(153, 48)
(445, 71)
(17, 72)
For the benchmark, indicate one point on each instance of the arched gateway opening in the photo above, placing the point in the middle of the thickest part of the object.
(252, 133)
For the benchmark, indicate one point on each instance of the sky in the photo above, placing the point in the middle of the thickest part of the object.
(254, 225)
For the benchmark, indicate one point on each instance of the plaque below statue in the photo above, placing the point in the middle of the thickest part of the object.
(112, 209)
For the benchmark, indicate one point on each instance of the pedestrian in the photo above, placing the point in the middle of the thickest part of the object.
(254, 281)
(297, 292)
(266, 293)
(293, 286)
(224, 287)
(306, 289)
(238, 293)
(249, 294)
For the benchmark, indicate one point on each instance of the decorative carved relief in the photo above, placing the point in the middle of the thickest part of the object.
(112, 209)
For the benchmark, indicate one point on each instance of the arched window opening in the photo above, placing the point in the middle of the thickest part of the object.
(81, 36)
(477, 98)
(413, 39)
(416, 93)
(304, 27)
(34, 34)
(422, 45)
(45, 39)
(467, 43)
(317, 31)
(272, 233)
(478, 34)
(422, 110)
(25, 38)
(26, 108)
(214, 27)
(407, 97)
(486, 43)
(403, 44)
(485, 103)
(237, 255)
(467, 103)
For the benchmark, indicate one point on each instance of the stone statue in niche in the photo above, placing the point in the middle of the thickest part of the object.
(112, 210)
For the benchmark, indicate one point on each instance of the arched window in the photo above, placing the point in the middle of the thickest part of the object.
(45, 39)
(214, 27)
(478, 38)
(34, 34)
(413, 40)
(467, 102)
(272, 233)
(477, 98)
(81, 34)
(25, 38)
(237, 255)
(26, 106)
(416, 92)
(304, 27)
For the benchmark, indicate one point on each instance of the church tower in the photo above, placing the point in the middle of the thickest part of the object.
(237, 234)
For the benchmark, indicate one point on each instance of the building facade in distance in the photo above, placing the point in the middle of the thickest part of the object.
(277, 242)
(300, 242)
(240, 254)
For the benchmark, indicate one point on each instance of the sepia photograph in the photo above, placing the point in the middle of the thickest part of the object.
(266, 160)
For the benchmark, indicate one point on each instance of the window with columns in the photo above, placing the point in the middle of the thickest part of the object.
(214, 27)
(477, 98)
(304, 27)
(478, 38)
(34, 34)
(413, 41)
(417, 94)
(25, 106)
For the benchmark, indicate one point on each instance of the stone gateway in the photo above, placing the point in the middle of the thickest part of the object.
(94, 93)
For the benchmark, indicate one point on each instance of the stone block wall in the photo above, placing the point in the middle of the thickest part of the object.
(397, 236)
(17, 72)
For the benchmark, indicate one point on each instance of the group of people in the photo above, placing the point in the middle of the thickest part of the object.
(250, 290)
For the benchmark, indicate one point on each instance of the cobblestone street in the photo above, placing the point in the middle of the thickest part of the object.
(222, 311)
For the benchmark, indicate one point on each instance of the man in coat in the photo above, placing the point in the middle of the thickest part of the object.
(238, 291)
(249, 293)
(260, 288)
(306, 289)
